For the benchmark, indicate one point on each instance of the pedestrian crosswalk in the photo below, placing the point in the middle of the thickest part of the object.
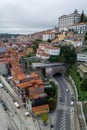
(63, 123)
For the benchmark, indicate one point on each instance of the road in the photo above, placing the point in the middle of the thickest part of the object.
(63, 121)
(19, 120)
(5, 121)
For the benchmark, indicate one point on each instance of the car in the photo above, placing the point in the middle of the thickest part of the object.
(72, 98)
(52, 126)
(4, 106)
(72, 103)
(60, 99)
(1, 85)
(27, 113)
(67, 90)
(72, 94)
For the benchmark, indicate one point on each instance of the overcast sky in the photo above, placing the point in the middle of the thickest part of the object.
(23, 16)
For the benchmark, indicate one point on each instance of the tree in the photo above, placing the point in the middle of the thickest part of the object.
(53, 59)
(52, 104)
(68, 55)
(82, 17)
(36, 45)
(85, 39)
(48, 40)
(84, 84)
(44, 118)
(85, 19)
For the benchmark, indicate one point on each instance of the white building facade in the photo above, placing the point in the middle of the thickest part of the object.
(66, 20)
(48, 35)
(45, 51)
(79, 27)
(82, 57)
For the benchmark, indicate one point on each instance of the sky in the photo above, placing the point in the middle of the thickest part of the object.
(27, 16)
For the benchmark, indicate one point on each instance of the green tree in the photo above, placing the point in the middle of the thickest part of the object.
(82, 17)
(30, 54)
(52, 104)
(84, 84)
(68, 55)
(85, 19)
(85, 39)
(53, 59)
(48, 40)
(44, 118)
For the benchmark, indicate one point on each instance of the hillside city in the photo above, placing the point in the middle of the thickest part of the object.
(43, 77)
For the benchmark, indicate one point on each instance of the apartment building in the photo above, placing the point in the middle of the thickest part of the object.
(45, 51)
(48, 35)
(82, 57)
(65, 21)
(79, 27)
(40, 104)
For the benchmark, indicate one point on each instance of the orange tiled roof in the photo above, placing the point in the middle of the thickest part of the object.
(33, 75)
(21, 76)
(25, 84)
(40, 108)
(36, 86)
(39, 81)
(38, 95)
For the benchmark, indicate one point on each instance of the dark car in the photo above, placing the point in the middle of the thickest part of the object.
(60, 99)
(4, 106)
(72, 98)
(52, 126)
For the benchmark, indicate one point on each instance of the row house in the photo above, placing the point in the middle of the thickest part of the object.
(40, 104)
(27, 86)
(41, 54)
(44, 51)
(49, 35)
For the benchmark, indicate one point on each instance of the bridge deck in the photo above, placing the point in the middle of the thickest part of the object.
(43, 65)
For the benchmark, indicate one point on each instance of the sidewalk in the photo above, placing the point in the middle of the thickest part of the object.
(80, 122)
(51, 121)
(26, 121)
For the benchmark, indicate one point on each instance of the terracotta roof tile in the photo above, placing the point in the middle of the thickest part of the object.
(40, 108)
(24, 85)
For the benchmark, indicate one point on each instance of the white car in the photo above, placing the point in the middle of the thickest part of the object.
(72, 103)
(67, 90)
(1, 85)
(27, 113)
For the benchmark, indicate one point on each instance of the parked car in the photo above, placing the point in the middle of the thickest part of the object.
(60, 98)
(72, 103)
(72, 98)
(1, 85)
(67, 90)
(4, 106)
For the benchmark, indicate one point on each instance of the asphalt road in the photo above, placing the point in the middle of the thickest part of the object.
(63, 121)
(18, 119)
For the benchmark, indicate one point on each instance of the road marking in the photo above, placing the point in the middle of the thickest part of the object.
(63, 123)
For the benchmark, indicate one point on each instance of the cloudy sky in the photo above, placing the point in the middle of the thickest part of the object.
(24, 16)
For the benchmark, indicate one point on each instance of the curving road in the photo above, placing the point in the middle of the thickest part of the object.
(63, 121)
